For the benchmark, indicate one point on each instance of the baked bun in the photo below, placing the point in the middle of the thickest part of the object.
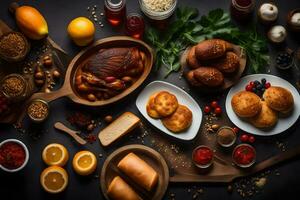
(165, 103)
(191, 59)
(211, 49)
(150, 107)
(118, 189)
(279, 99)
(191, 79)
(246, 104)
(266, 118)
(209, 76)
(227, 64)
(180, 120)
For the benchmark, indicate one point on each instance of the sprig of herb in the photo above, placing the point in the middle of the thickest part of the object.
(186, 30)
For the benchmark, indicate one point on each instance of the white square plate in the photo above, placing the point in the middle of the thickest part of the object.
(182, 97)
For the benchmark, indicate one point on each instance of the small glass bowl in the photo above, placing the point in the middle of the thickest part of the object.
(218, 137)
(200, 165)
(26, 155)
(38, 120)
(244, 165)
(154, 15)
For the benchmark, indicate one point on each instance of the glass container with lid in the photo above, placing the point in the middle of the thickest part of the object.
(115, 11)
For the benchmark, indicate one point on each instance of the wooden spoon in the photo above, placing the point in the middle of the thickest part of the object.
(60, 126)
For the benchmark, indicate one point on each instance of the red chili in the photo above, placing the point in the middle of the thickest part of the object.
(12, 155)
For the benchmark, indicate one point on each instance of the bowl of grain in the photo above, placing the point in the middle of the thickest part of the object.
(158, 9)
(38, 110)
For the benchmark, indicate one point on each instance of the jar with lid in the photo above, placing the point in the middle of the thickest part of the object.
(115, 11)
(242, 10)
(15, 88)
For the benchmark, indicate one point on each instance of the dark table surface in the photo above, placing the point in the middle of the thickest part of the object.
(25, 184)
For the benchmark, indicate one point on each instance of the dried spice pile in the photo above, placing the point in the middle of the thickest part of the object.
(13, 86)
(12, 45)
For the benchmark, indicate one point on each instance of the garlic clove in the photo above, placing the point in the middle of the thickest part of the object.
(268, 12)
(295, 19)
(277, 34)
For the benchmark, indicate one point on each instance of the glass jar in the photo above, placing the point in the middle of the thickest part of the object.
(115, 11)
(242, 10)
(135, 25)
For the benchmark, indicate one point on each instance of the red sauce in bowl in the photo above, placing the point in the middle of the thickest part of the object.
(203, 156)
(12, 155)
(244, 155)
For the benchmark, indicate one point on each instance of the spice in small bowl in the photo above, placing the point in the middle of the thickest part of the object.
(202, 156)
(244, 155)
(284, 60)
(14, 155)
(14, 87)
(158, 9)
(38, 110)
(226, 136)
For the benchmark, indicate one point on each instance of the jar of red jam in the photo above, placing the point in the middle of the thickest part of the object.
(115, 11)
(242, 10)
(203, 156)
(244, 155)
(135, 25)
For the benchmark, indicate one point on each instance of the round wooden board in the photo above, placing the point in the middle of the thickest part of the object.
(152, 157)
(228, 80)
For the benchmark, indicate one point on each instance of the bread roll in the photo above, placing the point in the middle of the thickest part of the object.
(246, 104)
(227, 64)
(279, 99)
(139, 171)
(191, 59)
(118, 189)
(211, 49)
(209, 76)
(266, 118)
(191, 79)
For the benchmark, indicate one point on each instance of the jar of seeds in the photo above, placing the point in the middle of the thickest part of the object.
(38, 110)
(15, 88)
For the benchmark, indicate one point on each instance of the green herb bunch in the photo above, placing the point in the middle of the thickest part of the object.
(186, 30)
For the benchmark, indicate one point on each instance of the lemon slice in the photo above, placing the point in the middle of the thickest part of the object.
(54, 179)
(84, 163)
(55, 154)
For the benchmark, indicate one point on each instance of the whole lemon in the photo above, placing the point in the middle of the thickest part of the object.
(81, 30)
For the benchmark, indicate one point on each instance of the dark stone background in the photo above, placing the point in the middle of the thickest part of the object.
(25, 185)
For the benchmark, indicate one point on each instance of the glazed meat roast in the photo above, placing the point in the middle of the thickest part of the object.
(109, 72)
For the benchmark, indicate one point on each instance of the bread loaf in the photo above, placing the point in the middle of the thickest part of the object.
(212, 49)
(209, 76)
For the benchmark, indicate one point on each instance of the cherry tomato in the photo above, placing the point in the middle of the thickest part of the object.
(252, 83)
(218, 111)
(244, 138)
(249, 88)
(236, 129)
(251, 139)
(214, 104)
(267, 85)
(207, 109)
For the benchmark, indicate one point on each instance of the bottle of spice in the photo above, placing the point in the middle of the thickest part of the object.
(135, 25)
(242, 10)
(115, 11)
(15, 88)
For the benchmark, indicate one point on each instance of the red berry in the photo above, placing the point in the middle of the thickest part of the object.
(206, 109)
(236, 129)
(251, 139)
(218, 111)
(214, 104)
(249, 88)
(244, 138)
(252, 83)
(267, 85)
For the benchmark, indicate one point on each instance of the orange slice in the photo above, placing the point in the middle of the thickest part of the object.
(55, 154)
(54, 179)
(84, 163)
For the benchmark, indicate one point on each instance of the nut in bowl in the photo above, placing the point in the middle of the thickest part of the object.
(158, 9)
(14, 155)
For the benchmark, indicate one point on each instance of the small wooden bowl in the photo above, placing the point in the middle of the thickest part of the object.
(153, 158)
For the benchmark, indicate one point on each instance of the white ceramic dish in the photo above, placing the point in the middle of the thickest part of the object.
(283, 123)
(183, 98)
(26, 155)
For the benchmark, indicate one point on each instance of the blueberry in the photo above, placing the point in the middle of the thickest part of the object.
(259, 86)
(263, 90)
(263, 81)
(254, 90)
(256, 82)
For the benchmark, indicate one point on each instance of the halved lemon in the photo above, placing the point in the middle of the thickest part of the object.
(55, 154)
(54, 179)
(84, 163)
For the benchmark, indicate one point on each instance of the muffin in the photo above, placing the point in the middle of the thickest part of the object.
(246, 104)
(279, 99)
(266, 118)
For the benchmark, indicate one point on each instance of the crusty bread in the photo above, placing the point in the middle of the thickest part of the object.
(191, 79)
(228, 63)
(279, 99)
(139, 171)
(150, 107)
(211, 49)
(180, 120)
(209, 76)
(165, 103)
(119, 127)
(266, 118)
(246, 104)
(118, 189)
(191, 59)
